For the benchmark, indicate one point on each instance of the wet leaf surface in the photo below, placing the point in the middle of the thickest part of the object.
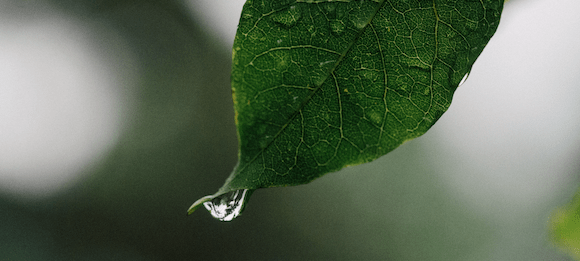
(320, 85)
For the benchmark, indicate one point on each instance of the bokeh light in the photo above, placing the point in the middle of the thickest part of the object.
(62, 100)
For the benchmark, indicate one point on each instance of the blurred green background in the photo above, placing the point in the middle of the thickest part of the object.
(174, 141)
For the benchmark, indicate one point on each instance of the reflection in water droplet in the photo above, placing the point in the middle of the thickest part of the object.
(228, 206)
(288, 17)
(464, 79)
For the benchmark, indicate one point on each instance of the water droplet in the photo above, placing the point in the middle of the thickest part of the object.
(464, 79)
(228, 206)
(288, 17)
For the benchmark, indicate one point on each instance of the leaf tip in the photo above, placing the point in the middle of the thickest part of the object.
(198, 204)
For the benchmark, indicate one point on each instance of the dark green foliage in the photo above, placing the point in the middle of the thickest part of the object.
(319, 85)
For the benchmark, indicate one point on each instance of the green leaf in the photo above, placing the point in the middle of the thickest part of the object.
(323, 84)
(564, 227)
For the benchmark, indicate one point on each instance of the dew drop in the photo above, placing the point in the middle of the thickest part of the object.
(464, 79)
(288, 17)
(228, 206)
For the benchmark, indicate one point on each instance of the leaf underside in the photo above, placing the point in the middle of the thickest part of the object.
(320, 85)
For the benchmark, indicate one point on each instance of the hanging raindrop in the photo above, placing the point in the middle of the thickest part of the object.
(228, 206)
